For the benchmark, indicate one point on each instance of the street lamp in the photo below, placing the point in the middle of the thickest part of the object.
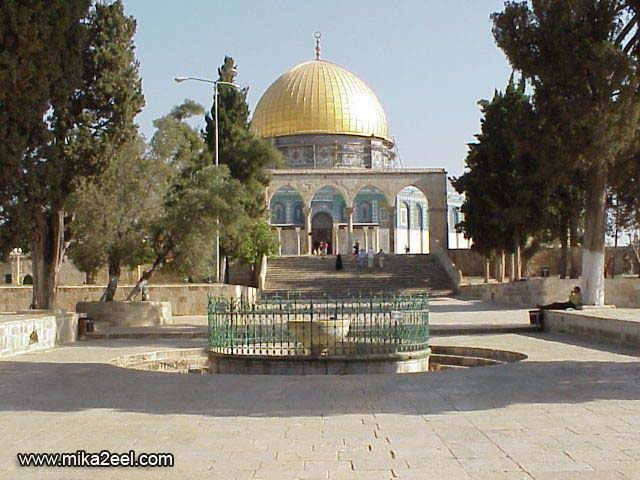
(215, 84)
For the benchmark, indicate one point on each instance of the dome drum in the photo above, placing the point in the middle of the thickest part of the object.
(335, 151)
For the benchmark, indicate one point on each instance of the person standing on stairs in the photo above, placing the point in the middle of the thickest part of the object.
(339, 262)
(370, 256)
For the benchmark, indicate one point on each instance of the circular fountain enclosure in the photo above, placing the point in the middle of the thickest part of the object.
(369, 335)
(413, 362)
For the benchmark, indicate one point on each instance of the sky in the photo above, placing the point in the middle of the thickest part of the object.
(428, 61)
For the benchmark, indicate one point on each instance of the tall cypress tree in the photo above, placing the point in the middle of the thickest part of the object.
(247, 157)
(503, 187)
(41, 60)
(583, 64)
(61, 112)
(111, 99)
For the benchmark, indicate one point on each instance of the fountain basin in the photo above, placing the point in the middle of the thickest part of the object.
(322, 337)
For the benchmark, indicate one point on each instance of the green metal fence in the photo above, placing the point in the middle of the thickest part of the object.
(332, 327)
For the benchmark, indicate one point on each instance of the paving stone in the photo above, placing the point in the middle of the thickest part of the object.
(570, 411)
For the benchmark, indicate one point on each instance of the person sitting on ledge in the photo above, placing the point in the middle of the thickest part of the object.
(575, 302)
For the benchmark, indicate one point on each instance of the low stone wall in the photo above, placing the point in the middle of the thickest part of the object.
(451, 269)
(127, 314)
(471, 263)
(621, 292)
(609, 330)
(23, 333)
(185, 299)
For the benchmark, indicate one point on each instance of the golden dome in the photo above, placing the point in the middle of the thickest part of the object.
(319, 97)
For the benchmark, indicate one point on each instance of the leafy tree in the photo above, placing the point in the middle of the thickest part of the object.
(182, 230)
(249, 240)
(113, 211)
(69, 89)
(247, 157)
(585, 80)
(625, 189)
(175, 143)
(563, 216)
(504, 193)
(40, 70)
(183, 237)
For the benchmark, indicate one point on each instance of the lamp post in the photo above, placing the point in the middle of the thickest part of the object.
(215, 84)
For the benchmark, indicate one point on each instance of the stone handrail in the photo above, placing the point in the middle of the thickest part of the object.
(452, 271)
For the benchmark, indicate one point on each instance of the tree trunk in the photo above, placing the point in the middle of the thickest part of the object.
(146, 275)
(594, 236)
(114, 275)
(512, 267)
(574, 251)
(500, 267)
(224, 270)
(47, 252)
(517, 256)
(487, 268)
(527, 255)
(564, 246)
(90, 278)
(635, 256)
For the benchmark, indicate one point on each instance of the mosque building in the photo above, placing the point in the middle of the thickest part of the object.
(343, 183)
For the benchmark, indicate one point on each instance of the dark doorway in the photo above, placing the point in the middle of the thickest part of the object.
(321, 229)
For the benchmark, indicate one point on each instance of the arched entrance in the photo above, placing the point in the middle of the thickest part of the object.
(412, 230)
(321, 229)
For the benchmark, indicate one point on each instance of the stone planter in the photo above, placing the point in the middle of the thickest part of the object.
(127, 314)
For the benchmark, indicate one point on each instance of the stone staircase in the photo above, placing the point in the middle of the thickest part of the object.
(316, 277)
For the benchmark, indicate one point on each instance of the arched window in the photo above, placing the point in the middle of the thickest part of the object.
(365, 213)
(297, 214)
(419, 217)
(278, 214)
(404, 214)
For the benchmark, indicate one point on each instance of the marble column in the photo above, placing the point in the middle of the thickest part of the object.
(391, 215)
(307, 229)
(16, 271)
(279, 230)
(298, 243)
(376, 238)
(349, 213)
(336, 239)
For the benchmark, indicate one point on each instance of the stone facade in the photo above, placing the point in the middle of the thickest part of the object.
(621, 292)
(334, 150)
(127, 314)
(24, 333)
(472, 263)
(348, 183)
(70, 275)
(594, 325)
(187, 299)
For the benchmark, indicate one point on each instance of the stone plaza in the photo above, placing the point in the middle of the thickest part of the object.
(571, 410)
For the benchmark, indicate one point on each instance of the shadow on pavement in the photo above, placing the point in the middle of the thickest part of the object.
(63, 387)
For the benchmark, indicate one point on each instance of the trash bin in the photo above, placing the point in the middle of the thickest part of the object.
(85, 326)
(535, 318)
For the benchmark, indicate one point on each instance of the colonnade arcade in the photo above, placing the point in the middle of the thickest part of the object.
(378, 214)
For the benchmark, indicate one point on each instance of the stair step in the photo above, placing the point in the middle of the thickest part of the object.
(313, 276)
